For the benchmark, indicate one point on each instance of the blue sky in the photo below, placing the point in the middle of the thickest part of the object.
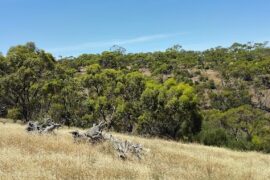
(72, 27)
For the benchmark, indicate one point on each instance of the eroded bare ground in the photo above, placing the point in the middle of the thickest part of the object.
(28, 156)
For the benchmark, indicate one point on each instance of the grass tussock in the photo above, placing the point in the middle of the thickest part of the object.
(25, 156)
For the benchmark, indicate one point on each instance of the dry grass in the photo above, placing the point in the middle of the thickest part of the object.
(145, 71)
(24, 156)
(213, 75)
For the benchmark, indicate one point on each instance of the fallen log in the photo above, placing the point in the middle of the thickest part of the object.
(124, 147)
(96, 135)
(79, 137)
(47, 127)
(51, 128)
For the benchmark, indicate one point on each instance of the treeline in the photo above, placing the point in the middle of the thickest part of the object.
(170, 94)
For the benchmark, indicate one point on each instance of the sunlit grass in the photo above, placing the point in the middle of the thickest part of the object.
(26, 156)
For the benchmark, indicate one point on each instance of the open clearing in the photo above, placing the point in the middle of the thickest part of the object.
(27, 156)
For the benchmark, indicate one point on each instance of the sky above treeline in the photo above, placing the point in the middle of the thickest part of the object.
(73, 27)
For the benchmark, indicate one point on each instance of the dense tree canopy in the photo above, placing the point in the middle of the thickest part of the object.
(217, 97)
(170, 110)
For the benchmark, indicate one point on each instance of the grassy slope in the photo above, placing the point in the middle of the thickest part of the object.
(24, 156)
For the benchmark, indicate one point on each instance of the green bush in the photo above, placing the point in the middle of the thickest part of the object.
(240, 144)
(14, 113)
(87, 120)
(169, 110)
(214, 137)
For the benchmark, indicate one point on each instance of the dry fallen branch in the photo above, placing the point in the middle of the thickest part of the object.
(47, 127)
(93, 135)
(125, 147)
(79, 137)
(96, 135)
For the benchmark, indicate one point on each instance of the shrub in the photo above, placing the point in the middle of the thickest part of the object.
(214, 137)
(169, 110)
(14, 113)
(87, 120)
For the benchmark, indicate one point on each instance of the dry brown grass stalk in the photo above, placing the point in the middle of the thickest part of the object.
(28, 156)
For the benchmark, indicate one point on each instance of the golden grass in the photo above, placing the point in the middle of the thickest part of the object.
(26, 156)
(213, 75)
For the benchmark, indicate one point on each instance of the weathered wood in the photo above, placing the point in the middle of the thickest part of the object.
(124, 147)
(32, 127)
(79, 137)
(51, 128)
(96, 135)
(46, 127)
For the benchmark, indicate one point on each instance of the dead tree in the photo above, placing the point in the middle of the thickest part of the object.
(51, 128)
(93, 135)
(124, 147)
(45, 128)
(96, 135)
(32, 127)
(79, 137)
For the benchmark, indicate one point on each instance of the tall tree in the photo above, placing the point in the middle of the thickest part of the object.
(27, 68)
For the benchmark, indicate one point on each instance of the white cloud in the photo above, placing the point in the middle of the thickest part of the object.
(135, 40)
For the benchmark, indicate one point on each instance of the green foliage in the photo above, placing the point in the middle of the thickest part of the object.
(63, 98)
(113, 96)
(112, 59)
(27, 68)
(163, 69)
(214, 137)
(169, 110)
(14, 113)
(157, 93)
(230, 98)
(243, 128)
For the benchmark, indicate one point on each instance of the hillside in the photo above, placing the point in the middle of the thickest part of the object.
(25, 156)
(217, 97)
